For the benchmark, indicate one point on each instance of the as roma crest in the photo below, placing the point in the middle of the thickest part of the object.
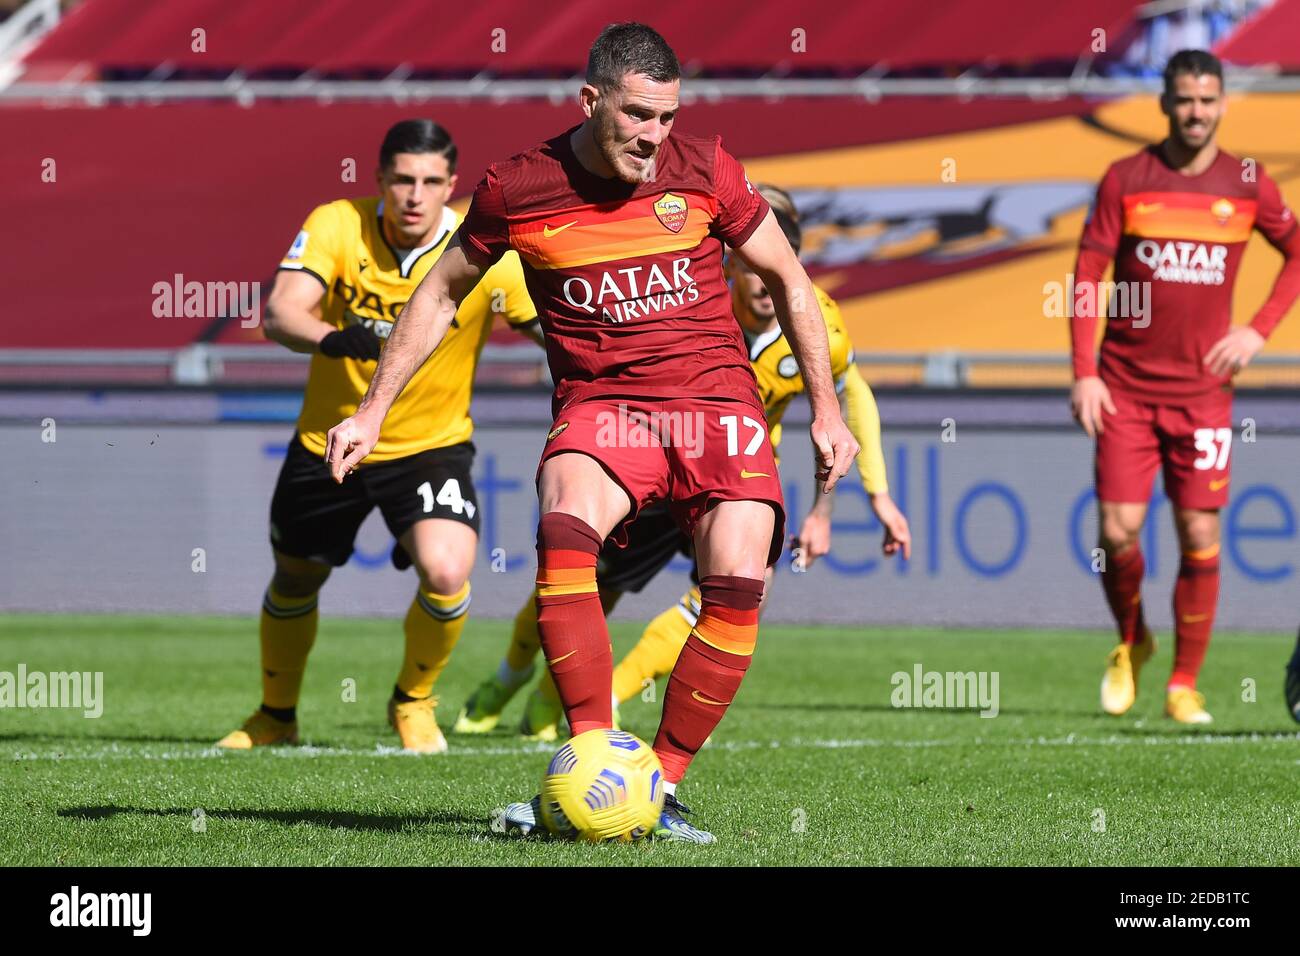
(1222, 210)
(670, 209)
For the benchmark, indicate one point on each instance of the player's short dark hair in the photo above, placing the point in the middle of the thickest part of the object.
(417, 136)
(790, 226)
(624, 48)
(1195, 62)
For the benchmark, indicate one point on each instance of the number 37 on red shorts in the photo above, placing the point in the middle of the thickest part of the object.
(690, 452)
(1190, 442)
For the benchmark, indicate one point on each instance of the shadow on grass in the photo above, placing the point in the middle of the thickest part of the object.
(204, 741)
(466, 744)
(329, 819)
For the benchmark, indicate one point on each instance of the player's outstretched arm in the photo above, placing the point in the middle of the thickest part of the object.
(863, 419)
(814, 538)
(858, 405)
(290, 317)
(416, 333)
(768, 253)
(1089, 396)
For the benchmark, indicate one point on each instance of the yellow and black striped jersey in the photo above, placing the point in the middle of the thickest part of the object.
(777, 370)
(367, 281)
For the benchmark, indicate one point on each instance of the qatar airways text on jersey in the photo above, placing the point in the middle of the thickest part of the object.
(634, 292)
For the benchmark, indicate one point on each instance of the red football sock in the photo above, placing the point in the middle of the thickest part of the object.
(708, 670)
(570, 621)
(1196, 595)
(1122, 582)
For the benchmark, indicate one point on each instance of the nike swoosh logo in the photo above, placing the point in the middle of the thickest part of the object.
(547, 231)
(1218, 483)
(560, 659)
(753, 474)
(1194, 618)
(1145, 207)
(704, 700)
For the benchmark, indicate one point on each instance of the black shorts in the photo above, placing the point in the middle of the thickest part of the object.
(312, 517)
(653, 539)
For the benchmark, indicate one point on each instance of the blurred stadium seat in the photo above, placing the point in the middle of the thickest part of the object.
(323, 37)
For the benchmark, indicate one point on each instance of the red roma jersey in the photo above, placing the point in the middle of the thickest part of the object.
(627, 279)
(1184, 235)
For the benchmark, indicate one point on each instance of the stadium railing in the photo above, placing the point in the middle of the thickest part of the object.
(246, 92)
(242, 366)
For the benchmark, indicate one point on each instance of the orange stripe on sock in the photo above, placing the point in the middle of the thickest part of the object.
(566, 575)
(726, 636)
(1204, 554)
(560, 590)
(559, 582)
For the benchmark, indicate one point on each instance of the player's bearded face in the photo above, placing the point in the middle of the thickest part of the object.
(632, 122)
(415, 189)
(1194, 109)
(751, 303)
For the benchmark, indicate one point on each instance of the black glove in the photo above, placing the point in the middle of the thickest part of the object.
(356, 341)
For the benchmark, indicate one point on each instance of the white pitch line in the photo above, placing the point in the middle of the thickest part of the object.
(117, 752)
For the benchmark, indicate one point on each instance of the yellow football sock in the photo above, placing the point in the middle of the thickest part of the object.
(656, 653)
(526, 641)
(433, 626)
(287, 630)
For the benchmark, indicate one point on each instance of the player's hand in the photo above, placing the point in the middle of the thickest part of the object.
(355, 342)
(898, 534)
(348, 443)
(1233, 352)
(1088, 399)
(812, 541)
(835, 449)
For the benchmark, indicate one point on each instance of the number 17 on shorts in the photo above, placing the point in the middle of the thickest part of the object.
(737, 464)
(756, 431)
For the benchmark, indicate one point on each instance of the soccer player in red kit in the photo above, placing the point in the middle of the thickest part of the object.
(620, 230)
(1175, 218)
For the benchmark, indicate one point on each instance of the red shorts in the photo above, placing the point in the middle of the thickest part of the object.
(1192, 443)
(691, 453)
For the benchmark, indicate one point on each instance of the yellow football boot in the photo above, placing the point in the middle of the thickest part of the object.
(1120, 682)
(482, 711)
(541, 720)
(416, 725)
(260, 730)
(1186, 706)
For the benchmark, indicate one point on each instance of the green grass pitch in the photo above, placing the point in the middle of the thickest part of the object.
(811, 766)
